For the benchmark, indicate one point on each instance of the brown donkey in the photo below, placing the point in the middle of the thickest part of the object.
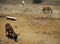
(10, 32)
(47, 9)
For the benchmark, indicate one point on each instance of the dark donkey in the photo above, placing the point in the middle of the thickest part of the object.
(47, 8)
(10, 32)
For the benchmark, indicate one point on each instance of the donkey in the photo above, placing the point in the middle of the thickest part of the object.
(10, 32)
(47, 8)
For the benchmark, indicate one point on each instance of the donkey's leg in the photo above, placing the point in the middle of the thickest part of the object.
(6, 32)
(51, 11)
(11, 35)
(8, 35)
(43, 10)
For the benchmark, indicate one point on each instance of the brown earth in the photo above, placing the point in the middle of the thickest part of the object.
(32, 29)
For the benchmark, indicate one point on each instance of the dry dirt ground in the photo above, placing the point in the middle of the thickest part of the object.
(32, 29)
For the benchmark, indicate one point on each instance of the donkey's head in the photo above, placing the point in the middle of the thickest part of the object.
(16, 37)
